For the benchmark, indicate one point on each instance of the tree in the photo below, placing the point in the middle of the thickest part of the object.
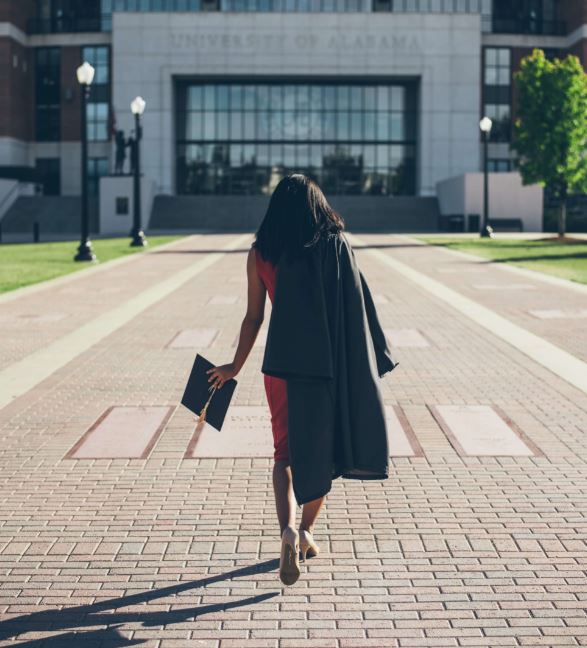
(550, 132)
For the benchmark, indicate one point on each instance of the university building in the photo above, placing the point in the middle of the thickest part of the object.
(379, 100)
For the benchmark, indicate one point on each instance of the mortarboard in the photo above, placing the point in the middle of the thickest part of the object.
(202, 398)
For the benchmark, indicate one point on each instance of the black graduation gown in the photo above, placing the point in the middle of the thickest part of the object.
(325, 339)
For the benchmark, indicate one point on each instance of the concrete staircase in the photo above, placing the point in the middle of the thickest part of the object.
(55, 215)
(361, 213)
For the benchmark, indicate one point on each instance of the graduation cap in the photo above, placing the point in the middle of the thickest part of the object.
(203, 399)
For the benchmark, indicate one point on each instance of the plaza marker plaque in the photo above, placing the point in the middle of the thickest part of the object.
(122, 433)
(260, 340)
(247, 433)
(406, 338)
(223, 300)
(483, 430)
(193, 338)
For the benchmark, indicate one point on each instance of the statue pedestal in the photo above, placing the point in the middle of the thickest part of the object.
(117, 203)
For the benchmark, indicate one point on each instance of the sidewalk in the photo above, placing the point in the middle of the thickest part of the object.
(116, 533)
(526, 298)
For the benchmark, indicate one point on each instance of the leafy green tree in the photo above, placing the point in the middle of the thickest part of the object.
(550, 132)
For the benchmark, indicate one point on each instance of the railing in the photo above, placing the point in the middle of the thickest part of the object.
(529, 26)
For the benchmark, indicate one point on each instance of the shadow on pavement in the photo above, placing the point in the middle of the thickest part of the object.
(99, 614)
(543, 257)
(241, 251)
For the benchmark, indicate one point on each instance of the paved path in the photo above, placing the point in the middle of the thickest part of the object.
(159, 538)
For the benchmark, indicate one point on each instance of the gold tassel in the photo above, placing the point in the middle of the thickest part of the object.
(205, 408)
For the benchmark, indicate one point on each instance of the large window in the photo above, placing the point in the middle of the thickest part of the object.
(48, 94)
(55, 16)
(96, 15)
(412, 6)
(527, 17)
(499, 165)
(242, 138)
(98, 107)
(497, 91)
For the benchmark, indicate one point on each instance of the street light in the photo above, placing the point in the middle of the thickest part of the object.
(485, 125)
(138, 237)
(85, 76)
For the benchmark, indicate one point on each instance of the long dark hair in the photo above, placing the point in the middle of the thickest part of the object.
(297, 217)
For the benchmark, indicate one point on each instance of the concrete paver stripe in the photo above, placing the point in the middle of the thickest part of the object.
(85, 272)
(22, 376)
(512, 286)
(560, 362)
(482, 430)
(122, 433)
(193, 338)
(401, 438)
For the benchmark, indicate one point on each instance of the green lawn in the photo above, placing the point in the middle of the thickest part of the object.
(566, 259)
(23, 264)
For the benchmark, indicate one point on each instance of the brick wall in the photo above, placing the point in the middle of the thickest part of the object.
(70, 95)
(17, 12)
(16, 97)
(580, 49)
(574, 13)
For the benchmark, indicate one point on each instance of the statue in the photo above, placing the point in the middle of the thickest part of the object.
(120, 152)
(131, 143)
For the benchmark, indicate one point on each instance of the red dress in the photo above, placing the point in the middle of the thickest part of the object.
(275, 388)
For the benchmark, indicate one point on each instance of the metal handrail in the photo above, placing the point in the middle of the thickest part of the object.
(5, 200)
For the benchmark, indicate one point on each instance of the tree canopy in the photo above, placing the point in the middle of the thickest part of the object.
(550, 131)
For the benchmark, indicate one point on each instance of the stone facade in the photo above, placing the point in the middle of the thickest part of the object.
(442, 51)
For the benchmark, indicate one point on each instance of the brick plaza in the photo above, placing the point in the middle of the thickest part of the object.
(119, 526)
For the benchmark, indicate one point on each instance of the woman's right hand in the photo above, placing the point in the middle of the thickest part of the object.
(219, 375)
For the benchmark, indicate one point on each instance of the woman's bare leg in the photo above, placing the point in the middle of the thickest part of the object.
(285, 501)
(310, 513)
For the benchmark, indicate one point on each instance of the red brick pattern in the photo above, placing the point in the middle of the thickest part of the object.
(449, 551)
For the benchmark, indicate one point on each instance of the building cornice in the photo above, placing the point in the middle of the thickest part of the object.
(8, 30)
(530, 41)
(576, 36)
(70, 40)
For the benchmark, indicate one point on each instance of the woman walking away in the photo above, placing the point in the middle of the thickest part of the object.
(324, 354)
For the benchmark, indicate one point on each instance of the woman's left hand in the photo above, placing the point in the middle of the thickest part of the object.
(219, 375)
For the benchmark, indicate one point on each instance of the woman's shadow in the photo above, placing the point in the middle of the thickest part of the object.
(97, 614)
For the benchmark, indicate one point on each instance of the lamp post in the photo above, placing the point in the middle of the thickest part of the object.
(85, 76)
(485, 125)
(138, 237)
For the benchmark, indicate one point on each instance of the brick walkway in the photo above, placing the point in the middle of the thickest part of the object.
(454, 549)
